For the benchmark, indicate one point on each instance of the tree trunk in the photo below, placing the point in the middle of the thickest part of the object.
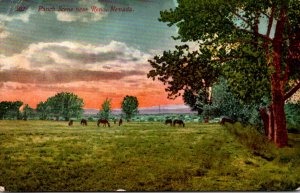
(270, 124)
(280, 130)
(265, 118)
(278, 82)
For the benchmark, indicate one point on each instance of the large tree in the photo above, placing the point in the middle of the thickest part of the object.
(242, 38)
(130, 107)
(65, 105)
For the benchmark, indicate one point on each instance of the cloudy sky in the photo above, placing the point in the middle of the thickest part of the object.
(53, 46)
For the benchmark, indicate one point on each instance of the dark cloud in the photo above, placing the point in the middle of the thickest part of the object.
(23, 87)
(46, 61)
(44, 58)
(87, 88)
(84, 57)
(130, 81)
(52, 77)
(59, 88)
(93, 58)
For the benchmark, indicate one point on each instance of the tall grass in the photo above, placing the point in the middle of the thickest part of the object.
(259, 146)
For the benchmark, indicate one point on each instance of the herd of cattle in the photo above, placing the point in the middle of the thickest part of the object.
(170, 122)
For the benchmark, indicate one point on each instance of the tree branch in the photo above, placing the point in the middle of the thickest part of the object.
(271, 18)
(292, 91)
(242, 18)
(265, 37)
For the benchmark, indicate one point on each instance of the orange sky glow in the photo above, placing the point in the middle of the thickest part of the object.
(151, 95)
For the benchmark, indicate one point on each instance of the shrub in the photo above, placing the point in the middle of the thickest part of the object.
(292, 111)
(253, 140)
(225, 103)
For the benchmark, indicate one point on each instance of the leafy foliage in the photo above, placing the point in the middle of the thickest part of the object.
(196, 102)
(255, 45)
(183, 69)
(229, 36)
(43, 110)
(105, 110)
(64, 104)
(10, 110)
(28, 112)
(225, 103)
(293, 116)
(130, 107)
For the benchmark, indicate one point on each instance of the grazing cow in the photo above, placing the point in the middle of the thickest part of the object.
(120, 122)
(83, 122)
(179, 122)
(226, 119)
(168, 121)
(104, 122)
(70, 122)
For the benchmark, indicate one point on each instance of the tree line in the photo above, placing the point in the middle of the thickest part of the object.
(63, 105)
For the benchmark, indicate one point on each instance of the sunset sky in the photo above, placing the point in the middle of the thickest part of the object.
(94, 54)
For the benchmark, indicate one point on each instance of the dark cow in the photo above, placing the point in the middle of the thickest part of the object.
(168, 121)
(179, 122)
(83, 122)
(226, 119)
(104, 122)
(70, 122)
(120, 122)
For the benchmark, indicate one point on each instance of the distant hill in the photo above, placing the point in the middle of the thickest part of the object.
(163, 109)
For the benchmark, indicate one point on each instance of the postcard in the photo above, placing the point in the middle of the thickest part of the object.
(149, 95)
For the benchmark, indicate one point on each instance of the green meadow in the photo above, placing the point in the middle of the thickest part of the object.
(144, 156)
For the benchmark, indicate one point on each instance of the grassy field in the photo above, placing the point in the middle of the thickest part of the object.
(50, 156)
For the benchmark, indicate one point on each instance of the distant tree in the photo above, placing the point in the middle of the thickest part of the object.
(43, 110)
(65, 105)
(10, 110)
(4, 107)
(27, 112)
(130, 107)
(105, 109)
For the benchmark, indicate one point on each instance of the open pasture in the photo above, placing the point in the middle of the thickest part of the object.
(144, 156)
